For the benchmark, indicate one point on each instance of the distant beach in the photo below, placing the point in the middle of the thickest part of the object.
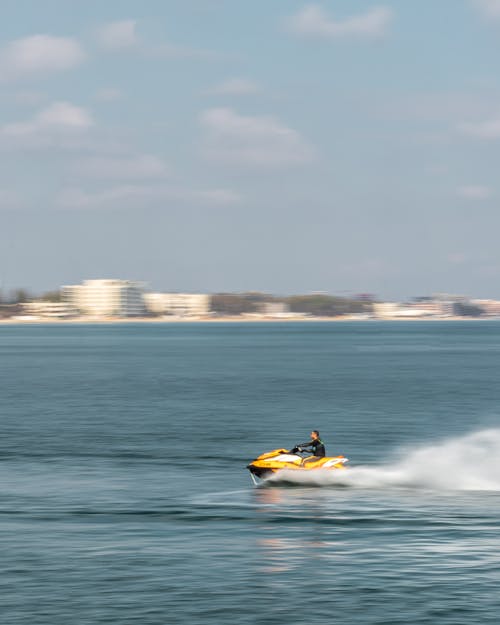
(232, 319)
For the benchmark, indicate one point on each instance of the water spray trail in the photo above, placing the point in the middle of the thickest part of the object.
(471, 462)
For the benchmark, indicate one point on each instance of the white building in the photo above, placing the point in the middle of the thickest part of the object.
(106, 298)
(49, 310)
(274, 309)
(393, 310)
(385, 310)
(178, 304)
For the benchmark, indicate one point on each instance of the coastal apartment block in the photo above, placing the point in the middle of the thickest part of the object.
(106, 298)
(178, 304)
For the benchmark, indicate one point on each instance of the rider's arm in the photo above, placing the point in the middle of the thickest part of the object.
(309, 444)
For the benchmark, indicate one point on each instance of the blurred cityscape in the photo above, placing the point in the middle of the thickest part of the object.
(116, 300)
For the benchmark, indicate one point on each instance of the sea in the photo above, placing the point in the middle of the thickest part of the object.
(125, 498)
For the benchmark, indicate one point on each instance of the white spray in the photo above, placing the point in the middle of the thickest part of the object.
(471, 462)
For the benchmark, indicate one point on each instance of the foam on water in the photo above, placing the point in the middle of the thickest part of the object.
(471, 462)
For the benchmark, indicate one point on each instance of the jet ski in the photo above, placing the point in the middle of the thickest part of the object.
(273, 461)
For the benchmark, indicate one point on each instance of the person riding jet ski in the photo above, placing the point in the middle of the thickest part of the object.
(316, 444)
(274, 461)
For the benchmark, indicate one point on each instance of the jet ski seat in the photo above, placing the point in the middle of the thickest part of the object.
(310, 459)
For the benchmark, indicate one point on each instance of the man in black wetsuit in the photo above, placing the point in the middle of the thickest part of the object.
(316, 445)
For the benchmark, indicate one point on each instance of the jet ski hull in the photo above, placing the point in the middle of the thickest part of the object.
(270, 463)
(260, 472)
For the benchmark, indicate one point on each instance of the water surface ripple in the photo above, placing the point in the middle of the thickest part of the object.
(124, 496)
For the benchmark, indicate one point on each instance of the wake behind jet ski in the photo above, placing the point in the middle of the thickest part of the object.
(273, 461)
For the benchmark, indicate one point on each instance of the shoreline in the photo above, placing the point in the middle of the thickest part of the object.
(233, 319)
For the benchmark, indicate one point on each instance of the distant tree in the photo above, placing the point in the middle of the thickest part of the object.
(327, 305)
(19, 296)
(368, 298)
(51, 296)
(231, 304)
(422, 298)
(465, 309)
(256, 297)
(239, 303)
(318, 305)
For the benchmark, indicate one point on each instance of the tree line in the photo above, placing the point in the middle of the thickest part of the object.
(11, 303)
(317, 305)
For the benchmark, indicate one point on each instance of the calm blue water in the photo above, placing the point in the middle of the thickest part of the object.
(124, 496)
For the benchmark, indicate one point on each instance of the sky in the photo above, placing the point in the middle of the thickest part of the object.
(219, 145)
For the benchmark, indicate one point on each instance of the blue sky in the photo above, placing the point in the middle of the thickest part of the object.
(285, 146)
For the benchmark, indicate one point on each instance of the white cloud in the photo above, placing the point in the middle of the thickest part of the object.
(122, 36)
(142, 166)
(456, 258)
(108, 94)
(474, 192)
(221, 197)
(118, 35)
(9, 200)
(257, 141)
(490, 8)
(313, 21)
(39, 55)
(59, 126)
(58, 117)
(171, 50)
(235, 87)
(138, 196)
(482, 130)
(27, 98)
(451, 106)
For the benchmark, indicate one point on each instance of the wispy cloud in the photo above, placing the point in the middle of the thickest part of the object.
(137, 167)
(60, 125)
(489, 129)
(108, 94)
(172, 50)
(235, 87)
(123, 36)
(474, 192)
(489, 8)
(128, 196)
(10, 200)
(456, 258)
(39, 55)
(119, 35)
(26, 97)
(445, 106)
(313, 21)
(58, 116)
(257, 141)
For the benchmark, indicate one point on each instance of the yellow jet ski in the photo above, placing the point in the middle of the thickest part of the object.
(273, 461)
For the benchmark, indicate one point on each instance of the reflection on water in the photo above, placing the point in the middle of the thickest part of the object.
(307, 546)
(274, 554)
(268, 496)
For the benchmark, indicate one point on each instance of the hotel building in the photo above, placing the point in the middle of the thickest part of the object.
(106, 298)
(178, 304)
